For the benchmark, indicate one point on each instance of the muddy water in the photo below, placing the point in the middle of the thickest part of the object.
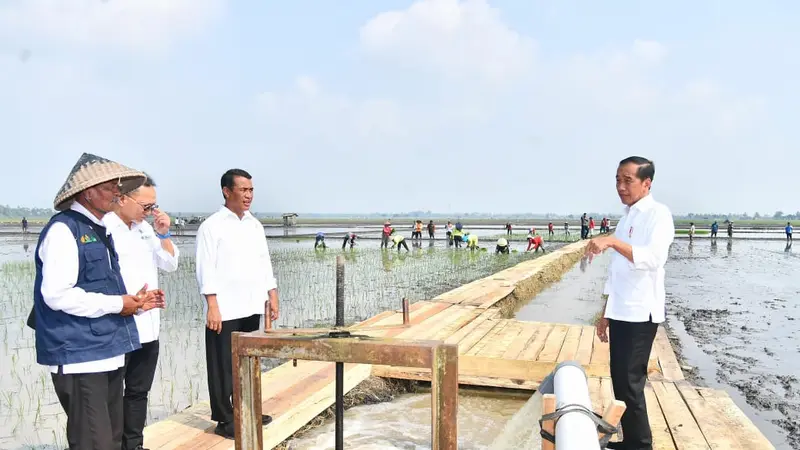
(736, 308)
(405, 423)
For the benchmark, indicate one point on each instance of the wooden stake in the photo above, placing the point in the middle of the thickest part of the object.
(246, 399)
(444, 397)
(613, 414)
(548, 407)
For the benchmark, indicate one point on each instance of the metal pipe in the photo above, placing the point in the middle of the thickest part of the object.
(339, 365)
(405, 311)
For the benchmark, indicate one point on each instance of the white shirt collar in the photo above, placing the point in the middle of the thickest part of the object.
(643, 204)
(228, 213)
(75, 206)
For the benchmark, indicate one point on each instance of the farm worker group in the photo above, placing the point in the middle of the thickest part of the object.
(96, 299)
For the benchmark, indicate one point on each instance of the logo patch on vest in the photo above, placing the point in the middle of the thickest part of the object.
(86, 239)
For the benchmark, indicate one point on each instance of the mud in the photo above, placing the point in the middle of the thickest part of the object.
(737, 313)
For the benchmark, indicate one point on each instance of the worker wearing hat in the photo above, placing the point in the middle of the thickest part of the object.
(82, 313)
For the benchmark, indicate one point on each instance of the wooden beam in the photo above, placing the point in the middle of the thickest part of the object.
(548, 407)
(246, 398)
(444, 398)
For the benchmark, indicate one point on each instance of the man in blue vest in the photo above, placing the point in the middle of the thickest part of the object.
(82, 314)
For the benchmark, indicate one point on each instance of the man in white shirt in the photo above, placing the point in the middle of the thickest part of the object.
(82, 311)
(635, 293)
(234, 272)
(142, 251)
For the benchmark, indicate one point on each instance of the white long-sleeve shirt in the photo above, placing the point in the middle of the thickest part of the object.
(233, 262)
(60, 264)
(140, 257)
(636, 289)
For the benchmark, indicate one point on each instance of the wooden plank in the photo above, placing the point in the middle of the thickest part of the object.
(716, 431)
(685, 431)
(607, 390)
(521, 341)
(470, 328)
(536, 344)
(490, 299)
(595, 395)
(667, 360)
(584, 354)
(469, 341)
(555, 340)
(502, 340)
(422, 329)
(600, 351)
(570, 347)
(488, 339)
(465, 319)
(408, 373)
(662, 438)
(742, 428)
(185, 432)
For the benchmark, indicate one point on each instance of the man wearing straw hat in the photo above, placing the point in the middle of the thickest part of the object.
(82, 314)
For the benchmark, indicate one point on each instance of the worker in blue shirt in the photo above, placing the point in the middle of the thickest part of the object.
(714, 229)
(788, 231)
(320, 241)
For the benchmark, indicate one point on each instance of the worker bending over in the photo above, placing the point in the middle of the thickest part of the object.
(535, 242)
(502, 246)
(398, 241)
(351, 238)
(320, 241)
(472, 241)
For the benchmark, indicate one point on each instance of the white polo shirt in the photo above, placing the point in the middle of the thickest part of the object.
(636, 289)
(233, 262)
(140, 257)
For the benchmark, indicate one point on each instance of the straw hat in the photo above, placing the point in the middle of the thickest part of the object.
(91, 170)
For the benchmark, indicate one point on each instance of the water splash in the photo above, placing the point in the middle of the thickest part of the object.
(522, 431)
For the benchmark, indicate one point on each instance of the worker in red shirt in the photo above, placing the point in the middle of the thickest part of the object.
(550, 230)
(534, 241)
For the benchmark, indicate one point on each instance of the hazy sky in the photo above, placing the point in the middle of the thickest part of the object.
(365, 105)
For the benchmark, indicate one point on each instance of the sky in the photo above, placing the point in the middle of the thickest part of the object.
(443, 105)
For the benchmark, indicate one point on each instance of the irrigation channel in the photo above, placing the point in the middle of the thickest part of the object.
(732, 337)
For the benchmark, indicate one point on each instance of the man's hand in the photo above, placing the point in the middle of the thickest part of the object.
(598, 245)
(144, 300)
(161, 221)
(602, 329)
(273, 307)
(214, 319)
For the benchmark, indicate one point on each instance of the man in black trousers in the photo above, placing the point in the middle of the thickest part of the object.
(234, 272)
(634, 293)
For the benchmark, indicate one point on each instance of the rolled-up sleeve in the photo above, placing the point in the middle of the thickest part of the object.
(165, 261)
(654, 253)
(60, 265)
(205, 259)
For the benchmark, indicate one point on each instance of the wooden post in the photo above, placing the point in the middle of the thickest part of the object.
(246, 399)
(267, 316)
(548, 407)
(444, 397)
(613, 414)
(406, 319)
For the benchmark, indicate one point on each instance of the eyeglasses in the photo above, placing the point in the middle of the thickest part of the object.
(147, 208)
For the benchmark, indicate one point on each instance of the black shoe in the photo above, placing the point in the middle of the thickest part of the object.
(616, 445)
(225, 430)
(266, 419)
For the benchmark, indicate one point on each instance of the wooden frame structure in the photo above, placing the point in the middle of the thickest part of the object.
(612, 415)
(247, 348)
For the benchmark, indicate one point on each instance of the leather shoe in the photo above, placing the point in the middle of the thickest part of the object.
(225, 430)
(266, 419)
(616, 445)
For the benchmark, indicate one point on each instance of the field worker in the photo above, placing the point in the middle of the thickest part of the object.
(385, 233)
(142, 250)
(531, 236)
(789, 231)
(550, 230)
(458, 237)
(535, 242)
(566, 228)
(449, 231)
(319, 241)
(591, 226)
(472, 241)
(730, 229)
(24, 225)
(714, 229)
(351, 238)
(431, 230)
(234, 273)
(82, 313)
(502, 246)
(691, 231)
(398, 241)
(508, 228)
(417, 233)
(635, 293)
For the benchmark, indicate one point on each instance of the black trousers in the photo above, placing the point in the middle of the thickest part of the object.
(219, 364)
(93, 403)
(140, 369)
(630, 344)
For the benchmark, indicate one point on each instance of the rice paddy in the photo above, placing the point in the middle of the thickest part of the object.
(31, 417)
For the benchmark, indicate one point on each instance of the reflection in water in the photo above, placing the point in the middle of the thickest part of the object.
(713, 246)
(730, 246)
(584, 263)
(788, 248)
(25, 247)
(691, 248)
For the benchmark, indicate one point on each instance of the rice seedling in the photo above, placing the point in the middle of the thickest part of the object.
(375, 282)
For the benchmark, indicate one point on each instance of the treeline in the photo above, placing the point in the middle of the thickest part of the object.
(777, 215)
(8, 212)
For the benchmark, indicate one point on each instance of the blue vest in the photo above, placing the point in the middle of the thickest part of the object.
(62, 338)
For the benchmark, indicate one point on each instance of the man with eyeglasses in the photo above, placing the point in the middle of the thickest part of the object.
(142, 249)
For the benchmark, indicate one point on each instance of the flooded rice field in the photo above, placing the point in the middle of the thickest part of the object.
(30, 415)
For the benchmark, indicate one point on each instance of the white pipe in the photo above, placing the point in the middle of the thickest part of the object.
(574, 430)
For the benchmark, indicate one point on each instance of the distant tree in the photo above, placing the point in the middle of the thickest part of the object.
(757, 215)
(778, 215)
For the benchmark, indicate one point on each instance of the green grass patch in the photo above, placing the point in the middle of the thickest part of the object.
(697, 232)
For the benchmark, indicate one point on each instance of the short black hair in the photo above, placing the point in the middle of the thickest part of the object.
(647, 169)
(148, 182)
(228, 176)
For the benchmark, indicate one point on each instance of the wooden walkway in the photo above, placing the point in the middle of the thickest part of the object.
(492, 352)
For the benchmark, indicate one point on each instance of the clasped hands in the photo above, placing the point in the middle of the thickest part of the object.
(144, 300)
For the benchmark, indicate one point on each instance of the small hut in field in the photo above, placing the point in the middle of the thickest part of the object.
(290, 220)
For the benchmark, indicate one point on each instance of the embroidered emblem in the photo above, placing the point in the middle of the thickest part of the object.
(85, 239)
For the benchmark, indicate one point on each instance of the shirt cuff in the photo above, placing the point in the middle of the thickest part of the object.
(272, 283)
(114, 305)
(643, 258)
